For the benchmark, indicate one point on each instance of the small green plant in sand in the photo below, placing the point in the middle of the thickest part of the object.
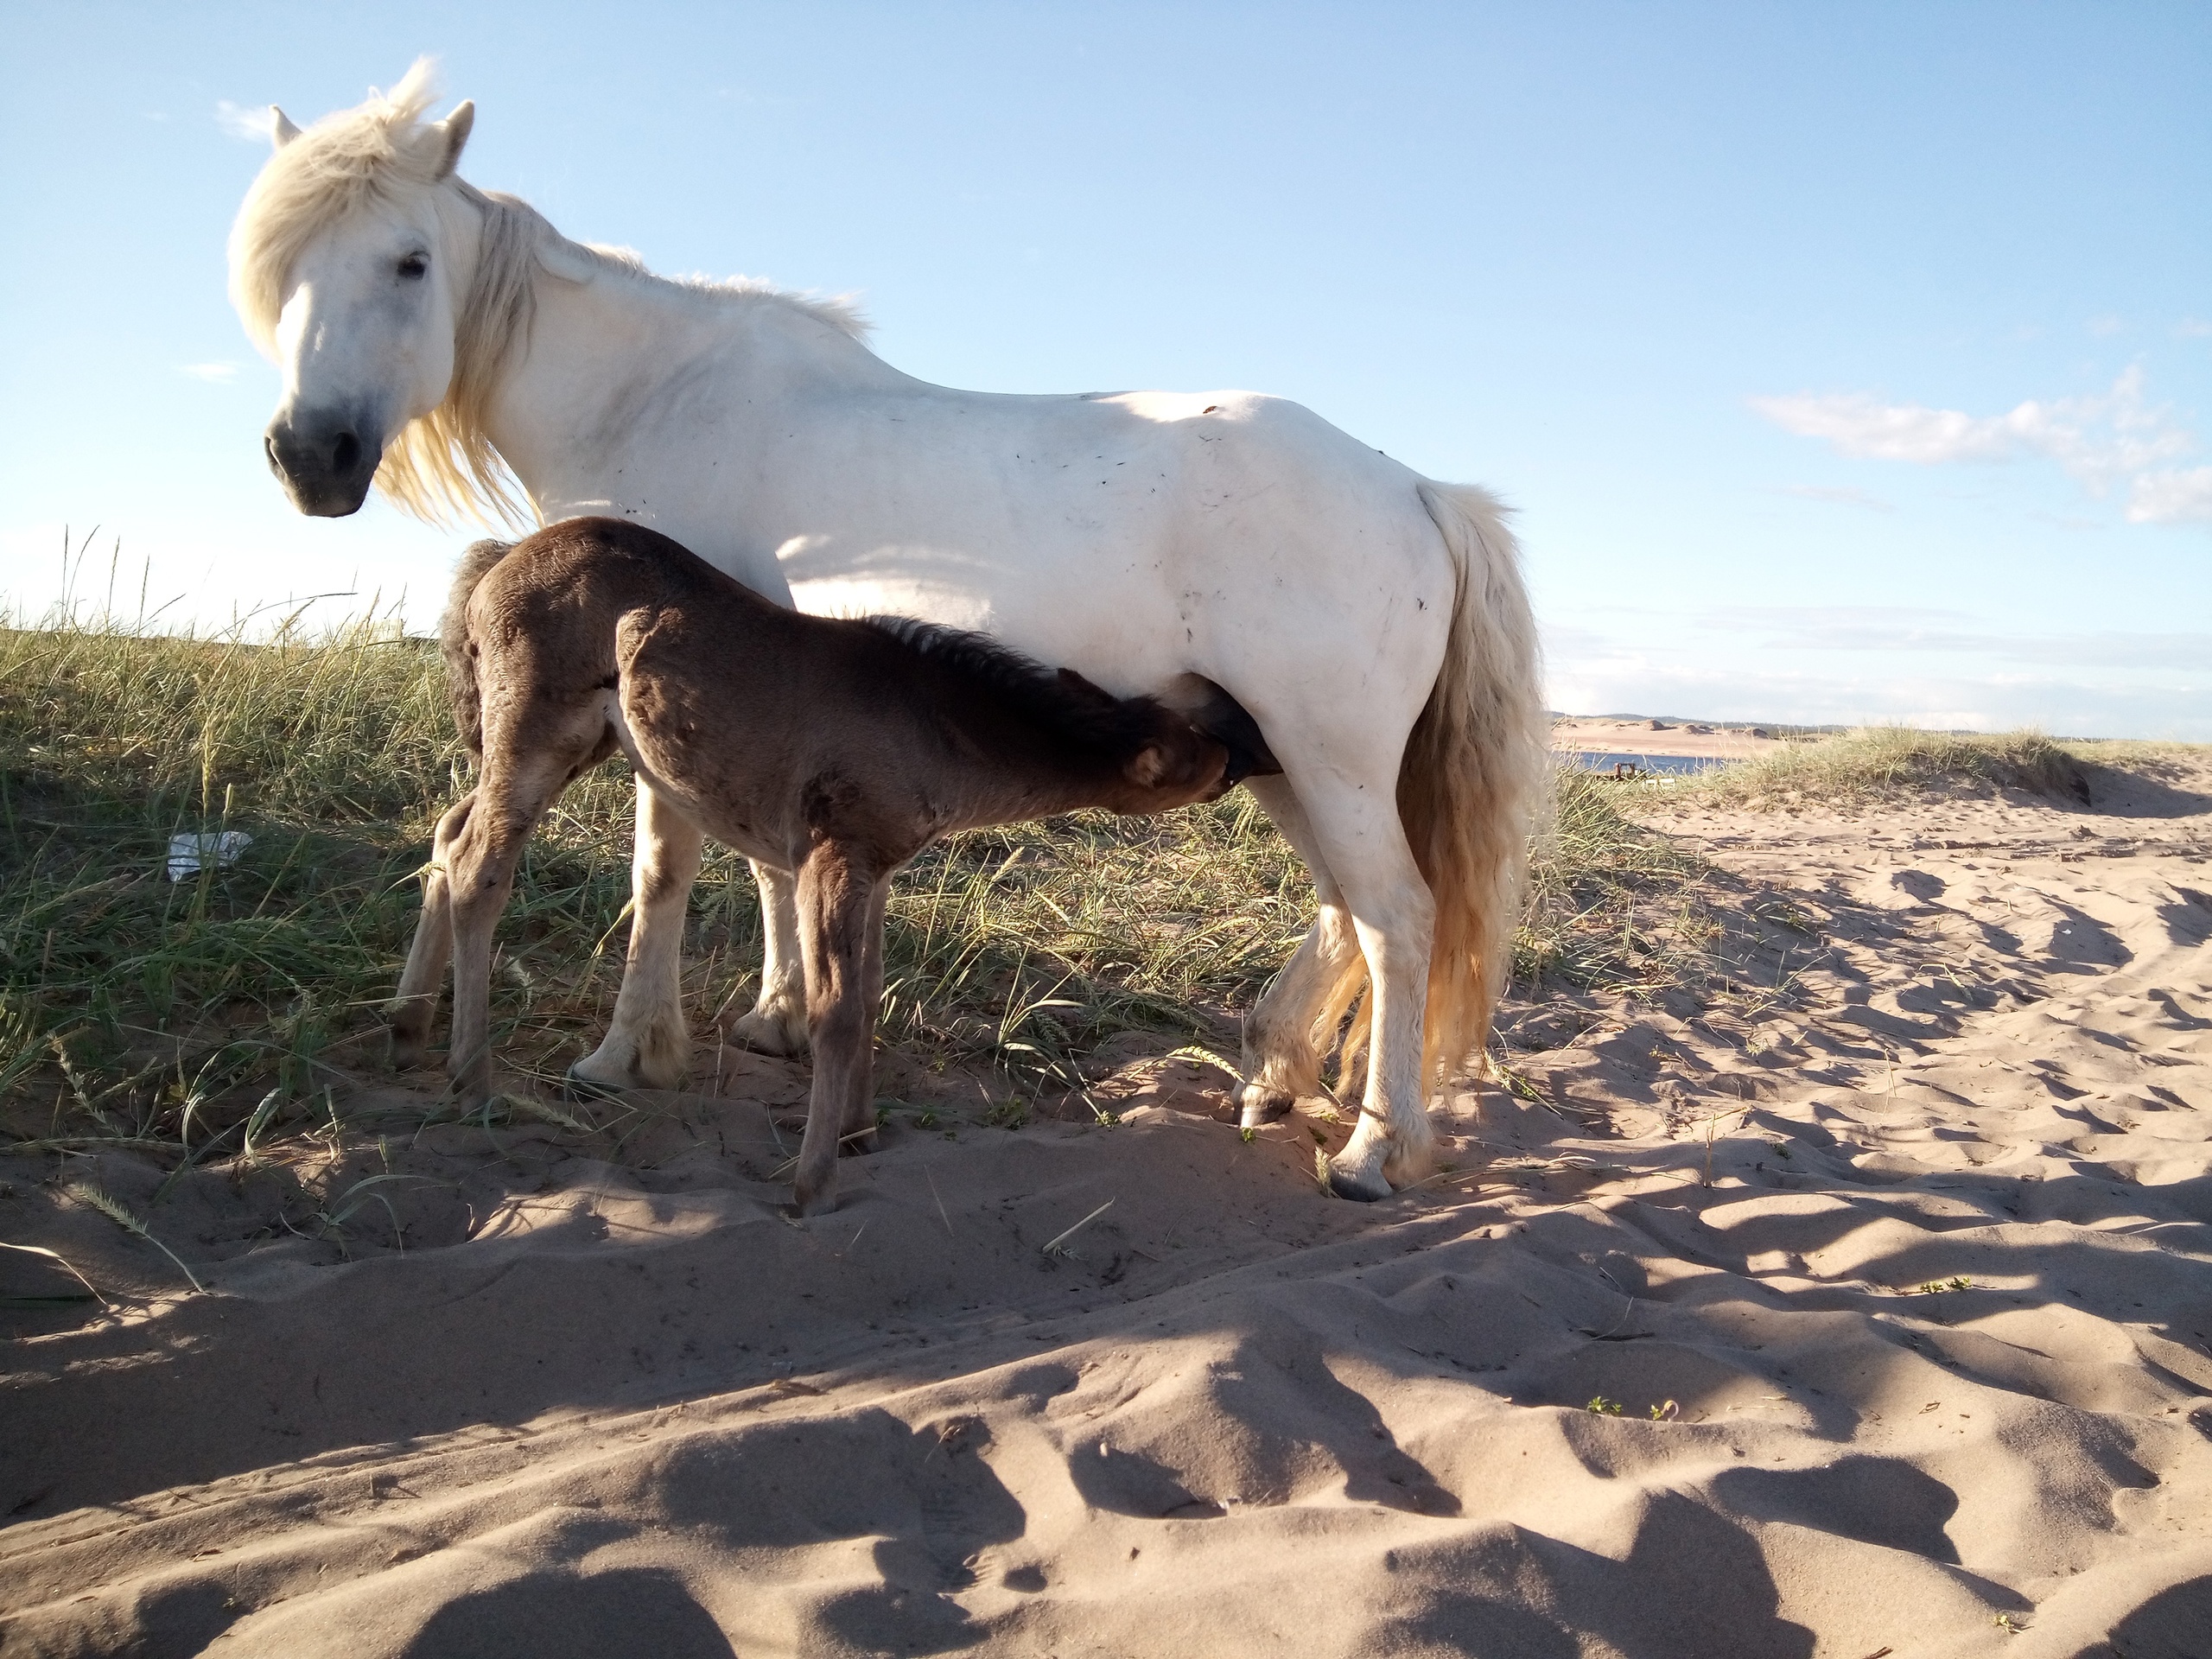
(1601, 1407)
(1938, 1286)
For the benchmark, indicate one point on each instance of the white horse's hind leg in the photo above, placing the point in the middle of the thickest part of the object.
(1281, 1063)
(778, 1022)
(647, 1044)
(1356, 824)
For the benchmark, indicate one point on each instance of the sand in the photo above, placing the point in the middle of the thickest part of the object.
(1901, 1287)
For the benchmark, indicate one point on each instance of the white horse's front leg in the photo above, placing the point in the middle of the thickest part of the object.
(1359, 833)
(647, 1044)
(1282, 1049)
(778, 1022)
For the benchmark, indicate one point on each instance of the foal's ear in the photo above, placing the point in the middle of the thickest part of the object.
(281, 128)
(1148, 767)
(453, 133)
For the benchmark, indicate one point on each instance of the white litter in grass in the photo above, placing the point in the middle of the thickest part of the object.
(188, 853)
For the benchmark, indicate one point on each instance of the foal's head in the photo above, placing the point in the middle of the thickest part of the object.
(1132, 755)
(1167, 761)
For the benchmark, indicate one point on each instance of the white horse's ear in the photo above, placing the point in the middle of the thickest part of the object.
(282, 130)
(453, 131)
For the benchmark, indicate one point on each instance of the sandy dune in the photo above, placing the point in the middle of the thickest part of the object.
(605, 1406)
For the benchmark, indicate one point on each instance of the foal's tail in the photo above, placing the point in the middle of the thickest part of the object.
(453, 641)
(1471, 787)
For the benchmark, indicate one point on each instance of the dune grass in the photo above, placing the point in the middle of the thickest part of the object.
(231, 1007)
(1882, 762)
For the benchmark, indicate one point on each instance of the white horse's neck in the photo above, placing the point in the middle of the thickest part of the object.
(598, 408)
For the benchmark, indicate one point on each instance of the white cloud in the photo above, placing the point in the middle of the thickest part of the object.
(1798, 628)
(2192, 328)
(1865, 429)
(2177, 496)
(216, 373)
(251, 125)
(2101, 440)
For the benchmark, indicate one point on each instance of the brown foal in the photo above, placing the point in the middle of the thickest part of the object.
(835, 750)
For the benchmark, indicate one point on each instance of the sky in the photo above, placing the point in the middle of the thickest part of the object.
(1842, 363)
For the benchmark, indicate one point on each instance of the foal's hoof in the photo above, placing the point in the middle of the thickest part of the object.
(1358, 1186)
(403, 1053)
(1262, 1106)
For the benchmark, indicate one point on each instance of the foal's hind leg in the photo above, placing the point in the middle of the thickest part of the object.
(839, 903)
(647, 1044)
(1282, 1057)
(416, 999)
(778, 1022)
(859, 1134)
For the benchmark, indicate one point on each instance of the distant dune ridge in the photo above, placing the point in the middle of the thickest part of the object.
(1826, 1269)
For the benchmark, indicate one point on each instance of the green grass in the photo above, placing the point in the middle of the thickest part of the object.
(199, 1015)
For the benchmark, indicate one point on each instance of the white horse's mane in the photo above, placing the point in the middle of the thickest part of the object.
(443, 465)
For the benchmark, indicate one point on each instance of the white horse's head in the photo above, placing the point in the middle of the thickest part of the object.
(355, 264)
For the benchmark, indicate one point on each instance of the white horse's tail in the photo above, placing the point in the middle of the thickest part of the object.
(1471, 787)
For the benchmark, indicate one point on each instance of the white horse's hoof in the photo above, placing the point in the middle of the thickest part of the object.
(1408, 1165)
(580, 1086)
(784, 1035)
(1361, 1187)
(1260, 1105)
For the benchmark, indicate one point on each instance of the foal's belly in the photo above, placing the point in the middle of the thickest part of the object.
(682, 775)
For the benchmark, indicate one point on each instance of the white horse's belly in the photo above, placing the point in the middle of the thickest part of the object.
(1134, 538)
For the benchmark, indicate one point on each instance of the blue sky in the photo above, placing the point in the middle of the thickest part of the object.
(1843, 363)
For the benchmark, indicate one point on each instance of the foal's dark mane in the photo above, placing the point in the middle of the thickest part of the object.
(1066, 704)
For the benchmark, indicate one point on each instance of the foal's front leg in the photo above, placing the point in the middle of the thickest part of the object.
(841, 927)
(647, 1044)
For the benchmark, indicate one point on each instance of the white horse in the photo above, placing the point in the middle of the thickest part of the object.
(1372, 622)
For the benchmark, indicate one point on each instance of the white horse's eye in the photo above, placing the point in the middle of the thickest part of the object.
(414, 265)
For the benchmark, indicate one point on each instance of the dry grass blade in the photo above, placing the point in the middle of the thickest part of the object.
(67, 1266)
(939, 1196)
(1057, 1245)
(545, 1111)
(114, 1209)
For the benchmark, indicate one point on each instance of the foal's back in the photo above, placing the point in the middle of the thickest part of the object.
(777, 730)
